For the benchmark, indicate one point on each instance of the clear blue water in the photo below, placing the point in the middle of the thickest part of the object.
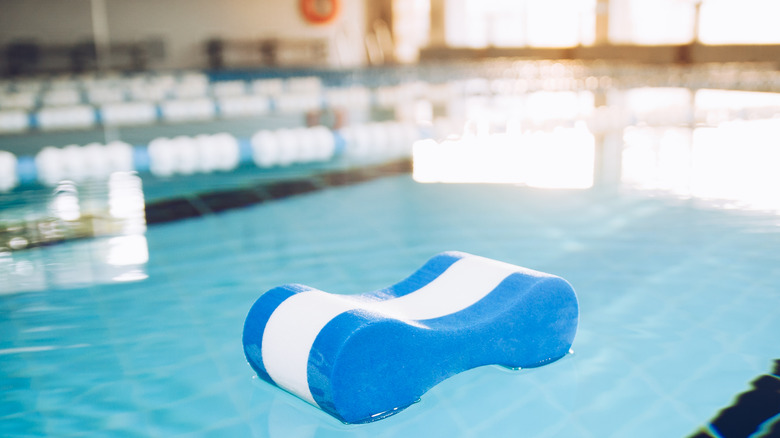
(680, 310)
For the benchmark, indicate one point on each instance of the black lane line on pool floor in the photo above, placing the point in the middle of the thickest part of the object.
(203, 204)
(753, 411)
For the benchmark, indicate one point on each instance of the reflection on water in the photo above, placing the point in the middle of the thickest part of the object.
(93, 233)
(561, 158)
(74, 264)
(127, 251)
(470, 395)
(734, 162)
(717, 145)
(64, 203)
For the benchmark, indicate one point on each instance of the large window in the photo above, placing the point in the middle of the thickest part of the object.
(673, 21)
(651, 22)
(520, 23)
(568, 23)
(740, 22)
(411, 26)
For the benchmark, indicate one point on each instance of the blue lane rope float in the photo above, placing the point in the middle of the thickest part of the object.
(33, 121)
(26, 170)
(364, 357)
(185, 155)
(141, 158)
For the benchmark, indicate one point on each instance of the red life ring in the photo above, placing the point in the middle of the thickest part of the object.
(315, 15)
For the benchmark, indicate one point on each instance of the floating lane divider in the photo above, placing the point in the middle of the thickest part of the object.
(189, 101)
(207, 153)
(364, 357)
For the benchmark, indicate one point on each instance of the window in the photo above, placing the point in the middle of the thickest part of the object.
(739, 22)
(651, 22)
(411, 24)
(520, 23)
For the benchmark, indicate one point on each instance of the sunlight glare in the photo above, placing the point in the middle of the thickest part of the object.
(562, 158)
(735, 162)
(127, 250)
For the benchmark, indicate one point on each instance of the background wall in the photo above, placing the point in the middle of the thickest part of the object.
(46, 20)
(183, 25)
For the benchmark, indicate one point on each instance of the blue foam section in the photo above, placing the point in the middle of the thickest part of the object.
(26, 170)
(141, 160)
(365, 365)
(98, 116)
(245, 150)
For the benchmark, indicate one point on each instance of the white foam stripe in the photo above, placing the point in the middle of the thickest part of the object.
(463, 284)
(294, 325)
(290, 333)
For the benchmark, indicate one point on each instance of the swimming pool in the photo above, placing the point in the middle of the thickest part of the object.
(680, 308)
(679, 313)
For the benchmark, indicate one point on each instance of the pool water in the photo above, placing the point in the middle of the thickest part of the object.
(680, 311)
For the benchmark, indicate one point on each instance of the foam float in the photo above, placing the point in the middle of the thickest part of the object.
(364, 357)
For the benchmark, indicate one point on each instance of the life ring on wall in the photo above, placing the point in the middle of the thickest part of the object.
(316, 15)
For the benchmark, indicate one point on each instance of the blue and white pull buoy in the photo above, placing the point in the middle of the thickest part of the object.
(364, 357)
